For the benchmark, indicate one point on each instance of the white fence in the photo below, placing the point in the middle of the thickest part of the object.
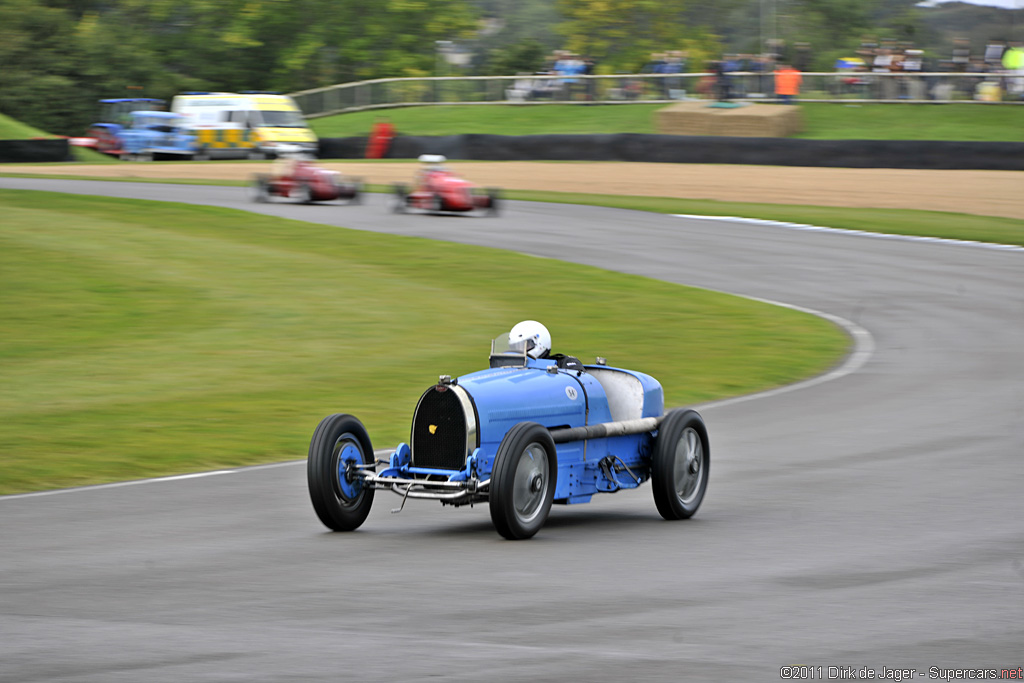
(634, 88)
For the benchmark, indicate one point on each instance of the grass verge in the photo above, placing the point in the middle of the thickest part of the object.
(959, 226)
(822, 121)
(144, 338)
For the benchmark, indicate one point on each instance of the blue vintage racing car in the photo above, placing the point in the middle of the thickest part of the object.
(531, 430)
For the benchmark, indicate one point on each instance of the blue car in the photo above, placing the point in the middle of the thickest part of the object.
(156, 134)
(521, 435)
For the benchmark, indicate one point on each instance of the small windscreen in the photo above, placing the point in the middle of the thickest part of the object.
(505, 352)
(282, 119)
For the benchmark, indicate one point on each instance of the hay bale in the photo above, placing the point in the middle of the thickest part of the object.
(747, 120)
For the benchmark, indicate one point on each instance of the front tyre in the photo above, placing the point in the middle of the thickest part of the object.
(436, 203)
(302, 193)
(260, 189)
(341, 501)
(523, 481)
(681, 464)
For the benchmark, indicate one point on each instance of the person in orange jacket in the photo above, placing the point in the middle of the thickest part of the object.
(787, 83)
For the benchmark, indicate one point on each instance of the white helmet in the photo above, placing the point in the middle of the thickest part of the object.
(531, 336)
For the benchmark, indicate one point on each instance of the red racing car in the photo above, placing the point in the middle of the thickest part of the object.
(439, 190)
(305, 183)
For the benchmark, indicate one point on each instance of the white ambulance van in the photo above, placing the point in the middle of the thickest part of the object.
(244, 125)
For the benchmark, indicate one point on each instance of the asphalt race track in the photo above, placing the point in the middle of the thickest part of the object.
(874, 520)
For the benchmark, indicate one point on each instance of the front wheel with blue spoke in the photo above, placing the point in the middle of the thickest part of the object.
(339, 445)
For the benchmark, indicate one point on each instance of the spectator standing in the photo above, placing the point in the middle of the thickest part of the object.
(656, 65)
(570, 66)
(761, 67)
(868, 49)
(722, 92)
(787, 83)
(961, 64)
(590, 83)
(674, 64)
(731, 66)
(912, 67)
(895, 90)
(802, 56)
(881, 66)
(561, 67)
(961, 54)
(1013, 62)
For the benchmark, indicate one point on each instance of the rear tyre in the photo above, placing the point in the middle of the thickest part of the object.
(401, 198)
(339, 498)
(357, 192)
(494, 202)
(523, 481)
(681, 464)
(436, 203)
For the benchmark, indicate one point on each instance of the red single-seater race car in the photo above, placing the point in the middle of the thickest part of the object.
(305, 182)
(439, 190)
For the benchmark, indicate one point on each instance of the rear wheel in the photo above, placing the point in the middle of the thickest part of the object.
(357, 191)
(436, 203)
(494, 202)
(523, 481)
(681, 464)
(401, 199)
(339, 443)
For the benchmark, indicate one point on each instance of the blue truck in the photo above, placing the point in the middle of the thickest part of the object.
(156, 134)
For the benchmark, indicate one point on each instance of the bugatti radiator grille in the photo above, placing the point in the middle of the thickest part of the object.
(443, 429)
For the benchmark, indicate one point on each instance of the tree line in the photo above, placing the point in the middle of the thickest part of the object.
(58, 57)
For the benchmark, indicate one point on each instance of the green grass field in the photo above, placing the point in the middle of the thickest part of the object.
(11, 129)
(822, 121)
(144, 338)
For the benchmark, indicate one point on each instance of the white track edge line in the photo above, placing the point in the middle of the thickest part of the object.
(863, 349)
(857, 233)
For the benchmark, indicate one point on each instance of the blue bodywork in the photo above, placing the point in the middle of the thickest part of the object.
(559, 399)
(157, 133)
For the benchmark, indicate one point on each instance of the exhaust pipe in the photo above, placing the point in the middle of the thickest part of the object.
(605, 429)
